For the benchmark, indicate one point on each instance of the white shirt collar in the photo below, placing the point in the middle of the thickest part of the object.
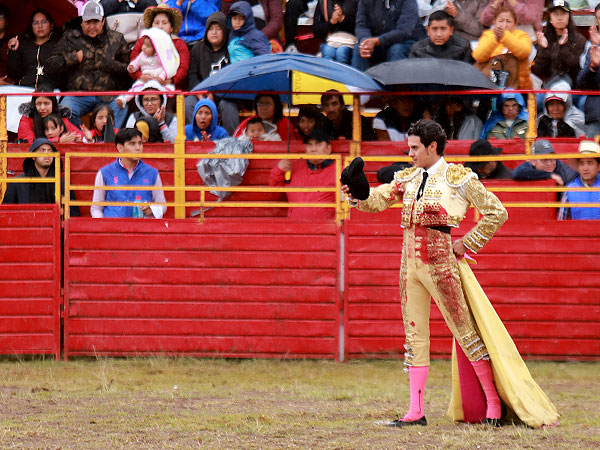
(433, 169)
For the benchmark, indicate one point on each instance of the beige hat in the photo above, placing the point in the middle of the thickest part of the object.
(174, 16)
(589, 147)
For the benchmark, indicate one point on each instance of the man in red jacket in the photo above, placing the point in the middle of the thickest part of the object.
(315, 172)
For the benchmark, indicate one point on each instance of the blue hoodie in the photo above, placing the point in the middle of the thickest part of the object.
(247, 36)
(195, 13)
(497, 115)
(193, 132)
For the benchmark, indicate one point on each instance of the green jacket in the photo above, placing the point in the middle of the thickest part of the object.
(502, 131)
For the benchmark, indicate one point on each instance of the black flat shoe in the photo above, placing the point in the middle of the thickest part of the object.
(492, 422)
(401, 423)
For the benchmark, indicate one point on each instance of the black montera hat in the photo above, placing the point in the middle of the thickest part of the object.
(354, 177)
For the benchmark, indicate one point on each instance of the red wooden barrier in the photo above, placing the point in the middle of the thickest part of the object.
(252, 288)
(30, 279)
(543, 278)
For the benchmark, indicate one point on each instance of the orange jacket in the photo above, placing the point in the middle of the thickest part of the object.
(515, 42)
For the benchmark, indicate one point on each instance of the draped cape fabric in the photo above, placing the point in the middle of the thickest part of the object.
(523, 398)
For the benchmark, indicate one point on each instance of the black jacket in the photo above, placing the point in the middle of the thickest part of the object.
(22, 63)
(344, 131)
(456, 48)
(22, 193)
(321, 27)
(204, 61)
(563, 129)
(118, 7)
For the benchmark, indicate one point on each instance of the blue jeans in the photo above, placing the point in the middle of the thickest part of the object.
(340, 54)
(395, 52)
(80, 106)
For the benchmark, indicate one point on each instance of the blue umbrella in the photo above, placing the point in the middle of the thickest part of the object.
(274, 72)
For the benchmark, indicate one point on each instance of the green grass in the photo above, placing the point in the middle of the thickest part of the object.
(264, 404)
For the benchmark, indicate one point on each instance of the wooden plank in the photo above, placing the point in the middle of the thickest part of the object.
(35, 288)
(26, 254)
(530, 329)
(204, 310)
(233, 345)
(284, 277)
(26, 307)
(202, 259)
(498, 295)
(523, 261)
(25, 219)
(205, 293)
(261, 227)
(27, 272)
(128, 241)
(513, 278)
(26, 324)
(202, 327)
(578, 313)
(11, 344)
(26, 236)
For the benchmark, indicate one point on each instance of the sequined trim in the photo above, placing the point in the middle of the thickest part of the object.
(456, 175)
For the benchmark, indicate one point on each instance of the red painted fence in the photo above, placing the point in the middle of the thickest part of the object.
(260, 288)
(543, 278)
(30, 279)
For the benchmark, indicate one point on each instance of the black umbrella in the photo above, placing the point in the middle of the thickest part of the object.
(430, 74)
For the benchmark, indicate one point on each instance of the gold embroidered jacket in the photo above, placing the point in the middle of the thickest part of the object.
(447, 196)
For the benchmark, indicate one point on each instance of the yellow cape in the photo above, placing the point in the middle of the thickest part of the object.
(523, 398)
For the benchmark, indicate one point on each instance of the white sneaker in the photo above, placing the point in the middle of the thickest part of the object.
(291, 49)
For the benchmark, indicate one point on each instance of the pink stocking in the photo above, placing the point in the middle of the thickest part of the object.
(418, 378)
(483, 369)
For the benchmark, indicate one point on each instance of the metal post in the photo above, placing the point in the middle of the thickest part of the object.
(356, 127)
(532, 128)
(3, 145)
(179, 163)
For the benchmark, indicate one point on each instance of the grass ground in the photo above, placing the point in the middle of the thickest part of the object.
(169, 403)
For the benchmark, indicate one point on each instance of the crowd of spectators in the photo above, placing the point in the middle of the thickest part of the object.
(184, 42)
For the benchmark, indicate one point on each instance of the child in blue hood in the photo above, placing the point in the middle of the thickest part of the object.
(245, 40)
(204, 125)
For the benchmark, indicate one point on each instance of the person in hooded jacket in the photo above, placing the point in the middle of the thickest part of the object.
(560, 118)
(207, 58)
(205, 125)
(508, 119)
(154, 105)
(245, 40)
(458, 120)
(37, 167)
(169, 20)
(195, 14)
(268, 16)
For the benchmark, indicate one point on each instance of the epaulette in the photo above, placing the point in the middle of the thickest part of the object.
(402, 176)
(456, 175)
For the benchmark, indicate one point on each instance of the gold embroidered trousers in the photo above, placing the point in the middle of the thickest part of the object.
(430, 269)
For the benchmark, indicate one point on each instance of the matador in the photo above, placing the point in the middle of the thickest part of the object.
(435, 197)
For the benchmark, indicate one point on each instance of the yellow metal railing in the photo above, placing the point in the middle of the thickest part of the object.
(203, 203)
(524, 189)
(53, 179)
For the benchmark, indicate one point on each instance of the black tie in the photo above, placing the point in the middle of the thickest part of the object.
(422, 187)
